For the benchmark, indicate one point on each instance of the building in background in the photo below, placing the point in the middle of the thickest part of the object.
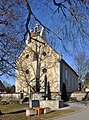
(40, 68)
(2, 87)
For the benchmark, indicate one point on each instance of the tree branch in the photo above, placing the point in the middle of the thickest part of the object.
(2, 35)
(28, 19)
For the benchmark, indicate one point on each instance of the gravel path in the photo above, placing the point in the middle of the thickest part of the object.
(82, 114)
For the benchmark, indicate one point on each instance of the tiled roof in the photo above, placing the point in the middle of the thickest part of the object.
(2, 87)
(33, 33)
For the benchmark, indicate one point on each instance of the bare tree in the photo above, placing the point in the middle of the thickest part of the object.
(11, 29)
(82, 64)
(65, 20)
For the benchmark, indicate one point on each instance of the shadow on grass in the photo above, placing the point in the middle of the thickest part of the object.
(65, 105)
(1, 113)
(15, 112)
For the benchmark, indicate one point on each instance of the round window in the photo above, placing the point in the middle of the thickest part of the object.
(27, 71)
(44, 70)
(44, 53)
(27, 56)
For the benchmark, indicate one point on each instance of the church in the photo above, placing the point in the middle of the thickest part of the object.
(40, 69)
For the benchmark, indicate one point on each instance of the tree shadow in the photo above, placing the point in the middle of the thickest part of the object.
(65, 105)
(15, 112)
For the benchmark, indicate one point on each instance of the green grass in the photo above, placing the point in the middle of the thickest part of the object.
(10, 112)
(12, 107)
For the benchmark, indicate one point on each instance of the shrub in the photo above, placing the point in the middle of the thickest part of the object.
(64, 93)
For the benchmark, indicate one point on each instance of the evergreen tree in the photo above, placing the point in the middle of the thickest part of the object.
(64, 93)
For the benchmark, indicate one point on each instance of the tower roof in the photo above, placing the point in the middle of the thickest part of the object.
(37, 32)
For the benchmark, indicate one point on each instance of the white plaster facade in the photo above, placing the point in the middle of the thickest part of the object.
(58, 71)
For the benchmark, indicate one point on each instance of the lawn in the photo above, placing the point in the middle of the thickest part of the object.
(17, 112)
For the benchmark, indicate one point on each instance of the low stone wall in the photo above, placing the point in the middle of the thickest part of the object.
(30, 112)
(87, 90)
(37, 96)
(54, 96)
(53, 104)
(79, 96)
(10, 95)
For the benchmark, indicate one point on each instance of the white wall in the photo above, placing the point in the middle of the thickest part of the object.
(14, 95)
(69, 78)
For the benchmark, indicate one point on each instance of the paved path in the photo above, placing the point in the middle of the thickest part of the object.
(81, 115)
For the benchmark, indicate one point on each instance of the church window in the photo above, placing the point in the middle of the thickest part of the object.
(44, 54)
(27, 56)
(27, 71)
